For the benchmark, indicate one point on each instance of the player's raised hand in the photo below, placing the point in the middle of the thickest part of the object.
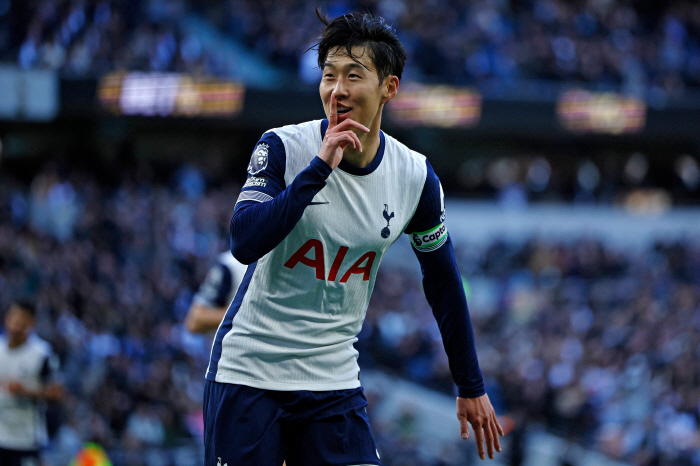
(480, 414)
(338, 136)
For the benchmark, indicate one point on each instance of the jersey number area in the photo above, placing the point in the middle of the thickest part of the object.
(363, 265)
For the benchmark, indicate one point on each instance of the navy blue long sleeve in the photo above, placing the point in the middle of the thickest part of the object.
(443, 287)
(257, 227)
(445, 294)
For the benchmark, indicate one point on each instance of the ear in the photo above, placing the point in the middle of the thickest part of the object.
(391, 87)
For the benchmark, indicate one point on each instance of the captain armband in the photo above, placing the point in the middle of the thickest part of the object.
(430, 240)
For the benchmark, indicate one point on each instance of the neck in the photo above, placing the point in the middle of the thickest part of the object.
(370, 144)
(16, 340)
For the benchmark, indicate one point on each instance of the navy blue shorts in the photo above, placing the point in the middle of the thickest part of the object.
(249, 426)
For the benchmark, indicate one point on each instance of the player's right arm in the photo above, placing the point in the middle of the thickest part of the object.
(266, 211)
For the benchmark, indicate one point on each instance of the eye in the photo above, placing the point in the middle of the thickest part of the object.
(353, 75)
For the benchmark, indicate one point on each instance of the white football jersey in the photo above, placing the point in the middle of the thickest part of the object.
(22, 420)
(299, 308)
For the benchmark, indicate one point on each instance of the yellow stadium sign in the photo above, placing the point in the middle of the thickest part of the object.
(582, 111)
(441, 106)
(169, 94)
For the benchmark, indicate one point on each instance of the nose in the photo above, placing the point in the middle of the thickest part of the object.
(341, 89)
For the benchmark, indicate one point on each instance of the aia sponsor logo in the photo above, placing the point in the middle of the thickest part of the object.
(362, 266)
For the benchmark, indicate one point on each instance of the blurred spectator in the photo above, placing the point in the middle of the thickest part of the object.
(144, 427)
(647, 49)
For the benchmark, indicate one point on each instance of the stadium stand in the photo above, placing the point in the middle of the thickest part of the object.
(643, 48)
(597, 341)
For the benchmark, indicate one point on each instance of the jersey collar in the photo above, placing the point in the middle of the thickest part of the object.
(354, 169)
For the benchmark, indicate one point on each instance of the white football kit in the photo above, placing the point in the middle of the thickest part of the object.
(299, 308)
(22, 420)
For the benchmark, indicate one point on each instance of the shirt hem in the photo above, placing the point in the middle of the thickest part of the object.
(282, 386)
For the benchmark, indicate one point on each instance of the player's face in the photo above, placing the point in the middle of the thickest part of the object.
(355, 85)
(18, 321)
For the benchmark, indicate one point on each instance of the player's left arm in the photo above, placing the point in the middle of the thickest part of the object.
(444, 291)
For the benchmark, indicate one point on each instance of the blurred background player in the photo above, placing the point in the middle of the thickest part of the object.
(215, 294)
(27, 370)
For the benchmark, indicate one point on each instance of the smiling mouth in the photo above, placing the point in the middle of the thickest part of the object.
(342, 110)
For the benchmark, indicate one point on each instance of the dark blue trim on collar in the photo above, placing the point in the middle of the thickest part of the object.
(347, 167)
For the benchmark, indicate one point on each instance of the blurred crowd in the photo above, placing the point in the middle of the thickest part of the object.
(113, 271)
(638, 182)
(601, 345)
(92, 37)
(640, 46)
(649, 49)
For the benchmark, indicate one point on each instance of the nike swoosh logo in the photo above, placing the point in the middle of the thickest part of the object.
(317, 203)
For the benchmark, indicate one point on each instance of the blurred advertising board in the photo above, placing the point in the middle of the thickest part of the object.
(441, 106)
(169, 94)
(582, 111)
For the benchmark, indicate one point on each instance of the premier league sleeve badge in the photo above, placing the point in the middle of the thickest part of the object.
(258, 161)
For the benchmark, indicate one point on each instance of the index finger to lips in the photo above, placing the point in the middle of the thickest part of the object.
(333, 117)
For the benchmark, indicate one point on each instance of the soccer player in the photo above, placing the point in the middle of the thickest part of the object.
(323, 202)
(26, 369)
(215, 294)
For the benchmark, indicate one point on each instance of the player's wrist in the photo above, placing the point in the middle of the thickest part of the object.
(470, 392)
(322, 166)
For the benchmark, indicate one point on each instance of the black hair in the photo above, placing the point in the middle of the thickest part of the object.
(354, 29)
(26, 305)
